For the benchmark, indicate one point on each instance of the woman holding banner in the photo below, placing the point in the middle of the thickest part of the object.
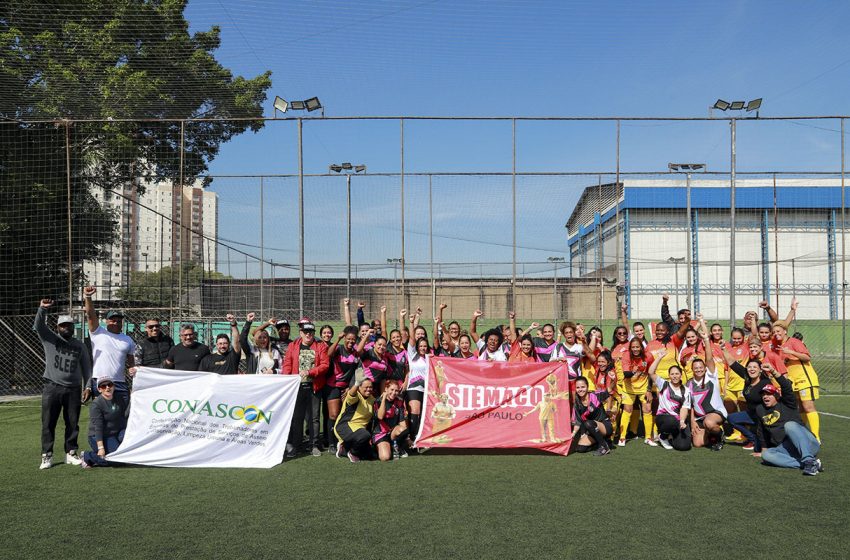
(107, 422)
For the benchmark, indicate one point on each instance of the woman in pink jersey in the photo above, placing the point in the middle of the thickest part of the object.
(344, 361)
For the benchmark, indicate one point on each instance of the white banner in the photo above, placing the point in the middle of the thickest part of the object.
(199, 419)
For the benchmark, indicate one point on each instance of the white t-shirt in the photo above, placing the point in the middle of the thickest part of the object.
(110, 353)
(418, 369)
(671, 401)
(484, 354)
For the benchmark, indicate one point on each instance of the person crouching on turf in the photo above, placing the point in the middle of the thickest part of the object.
(107, 422)
(706, 403)
(672, 416)
(591, 424)
(788, 442)
(390, 426)
(352, 424)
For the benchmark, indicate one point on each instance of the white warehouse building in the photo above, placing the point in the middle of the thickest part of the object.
(787, 242)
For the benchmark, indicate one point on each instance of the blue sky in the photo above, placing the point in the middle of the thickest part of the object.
(453, 58)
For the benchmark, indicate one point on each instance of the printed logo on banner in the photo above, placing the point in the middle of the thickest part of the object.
(250, 414)
(458, 403)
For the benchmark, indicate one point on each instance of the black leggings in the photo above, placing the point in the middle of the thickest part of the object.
(668, 426)
(357, 441)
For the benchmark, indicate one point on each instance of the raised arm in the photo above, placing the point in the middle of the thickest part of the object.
(709, 358)
(792, 313)
(624, 317)
(40, 324)
(91, 314)
(335, 346)
(384, 330)
(346, 311)
(414, 319)
(653, 367)
(245, 344)
(234, 333)
(771, 313)
(362, 344)
(512, 327)
(361, 317)
(473, 325)
(665, 313)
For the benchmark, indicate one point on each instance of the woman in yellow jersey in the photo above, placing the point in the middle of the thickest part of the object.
(733, 398)
(606, 373)
(802, 375)
(635, 382)
(352, 424)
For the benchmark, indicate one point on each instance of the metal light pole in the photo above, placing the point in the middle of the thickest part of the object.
(395, 263)
(687, 168)
(349, 170)
(676, 261)
(145, 256)
(555, 261)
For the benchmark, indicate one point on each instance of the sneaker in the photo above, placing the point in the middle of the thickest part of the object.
(316, 452)
(332, 449)
(71, 458)
(601, 451)
(84, 464)
(749, 446)
(718, 445)
(46, 461)
(396, 454)
(340, 451)
(621, 443)
(353, 458)
(819, 464)
(810, 467)
(650, 442)
(290, 453)
(665, 444)
(402, 453)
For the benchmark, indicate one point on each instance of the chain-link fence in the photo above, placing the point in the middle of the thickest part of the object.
(552, 218)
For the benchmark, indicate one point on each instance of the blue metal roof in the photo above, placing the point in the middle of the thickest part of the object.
(745, 198)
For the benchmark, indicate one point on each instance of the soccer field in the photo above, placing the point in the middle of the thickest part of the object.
(639, 502)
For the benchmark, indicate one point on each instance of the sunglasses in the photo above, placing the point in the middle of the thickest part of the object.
(153, 326)
(106, 386)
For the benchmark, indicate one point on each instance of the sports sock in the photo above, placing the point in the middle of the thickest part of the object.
(625, 420)
(812, 420)
(648, 422)
(633, 424)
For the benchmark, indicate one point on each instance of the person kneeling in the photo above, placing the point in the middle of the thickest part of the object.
(107, 422)
(788, 442)
(590, 422)
(390, 428)
(352, 424)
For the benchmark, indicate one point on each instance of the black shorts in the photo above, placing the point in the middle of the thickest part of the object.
(383, 439)
(329, 392)
(415, 395)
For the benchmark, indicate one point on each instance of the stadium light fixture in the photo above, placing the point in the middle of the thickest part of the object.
(297, 105)
(737, 105)
(359, 168)
(720, 104)
(312, 104)
(347, 166)
(676, 167)
(335, 167)
(280, 104)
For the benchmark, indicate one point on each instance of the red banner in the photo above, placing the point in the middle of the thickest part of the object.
(481, 404)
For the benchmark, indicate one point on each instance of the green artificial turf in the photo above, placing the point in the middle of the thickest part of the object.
(640, 502)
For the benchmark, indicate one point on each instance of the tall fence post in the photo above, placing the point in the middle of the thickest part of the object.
(843, 273)
(262, 259)
(732, 125)
(431, 248)
(70, 247)
(513, 215)
(180, 235)
(300, 218)
(403, 262)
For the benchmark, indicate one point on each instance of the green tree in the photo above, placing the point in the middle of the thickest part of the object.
(160, 288)
(110, 60)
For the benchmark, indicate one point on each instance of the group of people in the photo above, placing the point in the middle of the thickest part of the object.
(679, 382)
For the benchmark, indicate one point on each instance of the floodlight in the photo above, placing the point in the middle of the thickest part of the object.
(335, 168)
(359, 168)
(296, 105)
(280, 104)
(347, 166)
(737, 105)
(313, 104)
(722, 105)
(754, 105)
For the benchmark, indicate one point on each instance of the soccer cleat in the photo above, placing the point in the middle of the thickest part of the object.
(650, 442)
(665, 444)
(621, 443)
(601, 451)
(810, 467)
(353, 458)
(46, 461)
(71, 458)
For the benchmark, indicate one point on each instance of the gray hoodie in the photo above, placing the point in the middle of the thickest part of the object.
(66, 362)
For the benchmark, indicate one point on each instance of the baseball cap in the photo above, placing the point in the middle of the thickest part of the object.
(307, 326)
(64, 319)
(104, 381)
(114, 313)
(770, 389)
(281, 323)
